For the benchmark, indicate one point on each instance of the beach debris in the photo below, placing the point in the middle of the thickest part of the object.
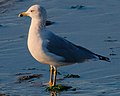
(22, 36)
(28, 77)
(65, 37)
(21, 0)
(77, 7)
(112, 54)
(1, 25)
(31, 69)
(17, 74)
(3, 94)
(59, 73)
(71, 76)
(110, 39)
(48, 23)
(58, 88)
(113, 40)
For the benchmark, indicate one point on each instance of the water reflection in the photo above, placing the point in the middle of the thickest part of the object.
(53, 93)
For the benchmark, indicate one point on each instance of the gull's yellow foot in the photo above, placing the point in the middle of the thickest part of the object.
(50, 83)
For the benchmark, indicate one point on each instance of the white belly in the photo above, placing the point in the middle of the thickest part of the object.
(37, 50)
(35, 47)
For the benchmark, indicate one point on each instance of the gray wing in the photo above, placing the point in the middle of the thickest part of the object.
(69, 51)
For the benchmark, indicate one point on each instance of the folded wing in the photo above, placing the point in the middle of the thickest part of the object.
(69, 51)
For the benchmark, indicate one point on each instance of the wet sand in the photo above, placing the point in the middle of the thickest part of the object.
(95, 26)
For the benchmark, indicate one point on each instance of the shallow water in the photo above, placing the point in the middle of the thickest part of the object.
(95, 26)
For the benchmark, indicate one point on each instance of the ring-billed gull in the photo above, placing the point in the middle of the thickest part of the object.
(48, 48)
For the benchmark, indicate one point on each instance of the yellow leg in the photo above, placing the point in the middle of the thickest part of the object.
(55, 75)
(51, 76)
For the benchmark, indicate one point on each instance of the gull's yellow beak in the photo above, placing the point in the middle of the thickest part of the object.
(22, 14)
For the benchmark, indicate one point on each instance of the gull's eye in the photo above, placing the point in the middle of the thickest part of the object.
(31, 10)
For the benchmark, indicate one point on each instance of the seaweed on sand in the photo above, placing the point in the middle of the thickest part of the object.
(3, 94)
(58, 88)
(71, 76)
(28, 77)
(77, 7)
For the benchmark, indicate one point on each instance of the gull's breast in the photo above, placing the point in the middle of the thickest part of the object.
(38, 50)
(35, 47)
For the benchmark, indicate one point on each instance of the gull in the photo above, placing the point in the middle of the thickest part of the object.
(49, 48)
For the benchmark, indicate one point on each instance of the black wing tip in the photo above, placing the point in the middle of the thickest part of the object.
(104, 58)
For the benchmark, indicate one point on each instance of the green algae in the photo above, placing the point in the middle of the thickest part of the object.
(58, 88)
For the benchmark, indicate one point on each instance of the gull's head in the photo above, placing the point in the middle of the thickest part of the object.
(35, 11)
